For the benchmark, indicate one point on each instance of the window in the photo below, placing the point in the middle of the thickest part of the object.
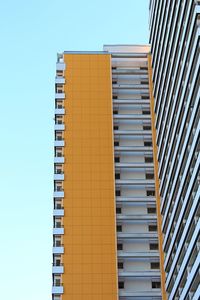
(151, 210)
(119, 246)
(147, 143)
(155, 285)
(155, 265)
(58, 243)
(115, 97)
(121, 285)
(149, 176)
(116, 143)
(118, 210)
(153, 228)
(118, 193)
(117, 159)
(148, 159)
(153, 246)
(119, 228)
(146, 127)
(116, 127)
(151, 193)
(117, 175)
(114, 82)
(120, 265)
(57, 281)
(59, 73)
(146, 112)
(115, 112)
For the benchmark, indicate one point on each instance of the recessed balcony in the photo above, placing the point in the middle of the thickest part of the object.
(134, 165)
(138, 236)
(57, 269)
(149, 254)
(140, 218)
(133, 132)
(145, 182)
(141, 295)
(140, 274)
(131, 116)
(57, 289)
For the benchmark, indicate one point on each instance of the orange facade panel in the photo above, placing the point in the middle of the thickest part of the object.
(90, 258)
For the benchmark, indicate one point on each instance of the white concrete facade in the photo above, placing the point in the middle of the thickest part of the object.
(138, 256)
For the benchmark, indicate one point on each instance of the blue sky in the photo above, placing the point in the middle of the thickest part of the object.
(32, 32)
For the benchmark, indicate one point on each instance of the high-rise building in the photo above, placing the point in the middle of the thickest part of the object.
(105, 221)
(174, 38)
(126, 165)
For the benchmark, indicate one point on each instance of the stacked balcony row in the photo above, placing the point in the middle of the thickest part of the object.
(137, 239)
(59, 176)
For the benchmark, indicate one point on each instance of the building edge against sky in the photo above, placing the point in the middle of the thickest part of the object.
(126, 182)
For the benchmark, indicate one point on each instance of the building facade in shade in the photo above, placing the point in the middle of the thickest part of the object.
(174, 38)
(106, 215)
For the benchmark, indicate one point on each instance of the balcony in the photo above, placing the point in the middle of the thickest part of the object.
(59, 143)
(131, 101)
(131, 117)
(59, 111)
(141, 182)
(57, 269)
(59, 176)
(140, 274)
(57, 289)
(137, 236)
(133, 132)
(134, 165)
(138, 218)
(59, 127)
(58, 230)
(149, 254)
(156, 295)
(58, 249)
(60, 80)
(136, 200)
(138, 149)
(60, 96)
(60, 66)
(58, 194)
(59, 159)
(58, 212)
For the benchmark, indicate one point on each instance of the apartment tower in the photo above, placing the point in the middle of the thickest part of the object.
(106, 216)
(174, 38)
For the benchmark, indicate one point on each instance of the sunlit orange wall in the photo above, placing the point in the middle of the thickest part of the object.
(90, 270)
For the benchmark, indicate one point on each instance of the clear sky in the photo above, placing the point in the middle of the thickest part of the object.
(31, 34)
